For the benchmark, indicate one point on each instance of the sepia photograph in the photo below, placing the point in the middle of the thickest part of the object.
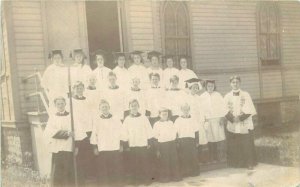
(150, 93)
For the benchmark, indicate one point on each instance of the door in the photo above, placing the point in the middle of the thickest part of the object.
(103, 28)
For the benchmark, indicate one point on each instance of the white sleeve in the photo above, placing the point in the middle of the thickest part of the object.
(94, 136)
(249, 107)
(125, 134)
(51, 129)
(149, 129)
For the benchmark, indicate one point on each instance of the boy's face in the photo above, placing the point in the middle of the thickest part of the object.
(79, 90)
(60, 105)
(92, 81)
(112, 79)
(57, 59)
(154, 80)
(183, 63)
(104, 108)
(121, 61)
(210, 87)
(134, 108)
(100, 60)
(170, 62)
(174, 83)
(136, 82)
(185, 110)
(78, 57)
(195, 88)
(154, 61)
(136, 59)
(235, 84)
(164, 115)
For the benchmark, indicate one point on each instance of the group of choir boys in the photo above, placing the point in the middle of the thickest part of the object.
(140, 124)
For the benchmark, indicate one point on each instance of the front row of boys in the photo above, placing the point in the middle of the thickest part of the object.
(133, 151)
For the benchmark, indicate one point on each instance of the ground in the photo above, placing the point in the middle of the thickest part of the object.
(263, 175)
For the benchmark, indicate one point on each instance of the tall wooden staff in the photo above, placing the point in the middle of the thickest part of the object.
(72, 126)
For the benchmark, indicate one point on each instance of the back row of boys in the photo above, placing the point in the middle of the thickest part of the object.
(191, 114)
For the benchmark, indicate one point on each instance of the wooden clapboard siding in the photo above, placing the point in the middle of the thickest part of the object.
(224, 35)
(29, 47)
(272, 84)
(140, 26)
(292, 83)
(156, 8)
(290, 27)
(290, 45)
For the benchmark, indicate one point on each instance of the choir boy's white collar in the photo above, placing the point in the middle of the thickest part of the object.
(106, 116)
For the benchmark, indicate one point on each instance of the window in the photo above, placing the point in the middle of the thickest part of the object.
(268, 33)
(175, 27)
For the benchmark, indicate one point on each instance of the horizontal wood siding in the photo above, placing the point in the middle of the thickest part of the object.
(224, 38)
(224, 34)
(29, 47)
(290, 40)
(140, 27)
(272, 84)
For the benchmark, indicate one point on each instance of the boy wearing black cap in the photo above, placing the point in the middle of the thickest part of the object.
(121, 71)
(80, 70)
(51, 79)
(55, 78)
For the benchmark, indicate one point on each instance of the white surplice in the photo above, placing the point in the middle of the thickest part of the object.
(164, 131)
(238, 105)
(107, 133)
(123, 77)
(214, 109)
(101, 74)
(138, 130)
(55, 124)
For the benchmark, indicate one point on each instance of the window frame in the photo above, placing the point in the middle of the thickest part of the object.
(176, 37)
(268, 62)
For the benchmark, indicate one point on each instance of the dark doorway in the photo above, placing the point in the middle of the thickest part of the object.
(103, 28)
